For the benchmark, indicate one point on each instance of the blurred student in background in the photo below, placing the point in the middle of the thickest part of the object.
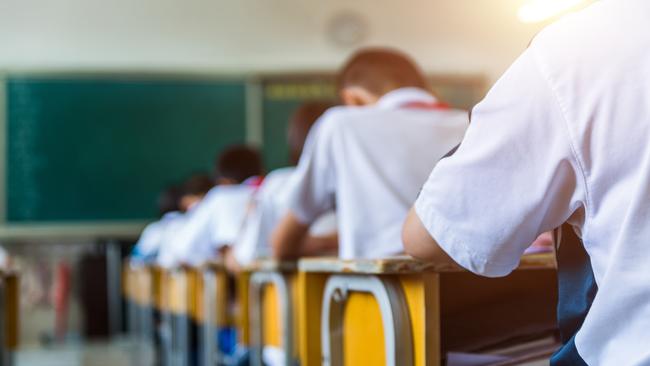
(216, 221)
(147, 247)
(365, 158)
(188, 197)
(271, 202)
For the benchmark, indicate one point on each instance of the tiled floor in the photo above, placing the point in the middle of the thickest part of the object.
(115, 353)
(120, 352)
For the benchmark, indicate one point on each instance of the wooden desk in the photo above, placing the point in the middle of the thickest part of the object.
(399, 311)
(141, 289)
(194, 299)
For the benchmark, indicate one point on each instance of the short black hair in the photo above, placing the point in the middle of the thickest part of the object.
(381, 70)
(197, 185)
(169, 199)
(238, 163)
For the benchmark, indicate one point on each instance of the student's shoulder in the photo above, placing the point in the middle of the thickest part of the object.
(233, 195)
(340, 118)
(574, 35)
(276, 182)
(218, 192)
(454, 116)
(171, 216)
(341, 114)
(278, 177)
(151, 228)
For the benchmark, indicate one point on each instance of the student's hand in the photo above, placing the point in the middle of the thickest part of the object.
(231, 263)
(419, 244)
(287, 238)
(545, 243)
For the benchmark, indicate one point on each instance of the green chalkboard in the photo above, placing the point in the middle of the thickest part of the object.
(282, 95)
(101, 148)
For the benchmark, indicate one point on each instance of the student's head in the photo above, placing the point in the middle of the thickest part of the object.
(301, 121)
(193, 190)
(372, 72)
(169, 200)
(238, 163)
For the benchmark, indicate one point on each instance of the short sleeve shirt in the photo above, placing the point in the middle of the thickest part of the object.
(368, 164)
(215, 221)
(270, 204)
(563, 135)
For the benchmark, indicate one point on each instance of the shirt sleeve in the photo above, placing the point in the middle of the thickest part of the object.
(513, 177)
(149, 241)
(228, 216)
(315, 176)
(259, 223)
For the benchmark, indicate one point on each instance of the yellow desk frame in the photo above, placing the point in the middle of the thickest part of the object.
(269, 288)
(398, 311)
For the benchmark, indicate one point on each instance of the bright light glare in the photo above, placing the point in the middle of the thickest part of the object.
(539, 10)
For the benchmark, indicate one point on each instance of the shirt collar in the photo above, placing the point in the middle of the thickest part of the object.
(400, 97)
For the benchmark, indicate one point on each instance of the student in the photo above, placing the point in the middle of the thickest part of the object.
(216, 221)
(147, 247)
(270, 203)
(584, 87)
(365, 159)
(190, 195)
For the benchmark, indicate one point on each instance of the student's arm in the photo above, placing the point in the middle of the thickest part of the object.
(313, 193)
(287, 238)
(229, 260)
(419, 243)
(514, 176)
(315, 245)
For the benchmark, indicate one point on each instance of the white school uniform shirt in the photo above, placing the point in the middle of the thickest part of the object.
(166, 256)
(368, 163)
(212, 223)
(563, 135)
(151, 239)
(270, 204)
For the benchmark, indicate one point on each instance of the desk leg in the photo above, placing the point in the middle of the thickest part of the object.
(423, 299)
(310, 300)
(257, 282)
(394, 312)
(210, 351)
(180, 328)
(3, 321)
(113, 278)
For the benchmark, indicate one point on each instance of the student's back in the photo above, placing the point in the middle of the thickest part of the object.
(369, 163)
(272, 199)
(153, 235)
(212, 224)
(597, 65)
(583, 88)
(366, 159)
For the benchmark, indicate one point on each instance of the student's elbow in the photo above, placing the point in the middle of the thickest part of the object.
(278, 252)
(419, 244)
(276, 240)
(413, 237)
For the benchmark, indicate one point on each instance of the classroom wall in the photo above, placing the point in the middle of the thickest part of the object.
(446, 36)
